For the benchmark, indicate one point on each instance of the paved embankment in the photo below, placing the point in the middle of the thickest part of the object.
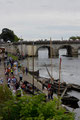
(2, 73)
(29, 78)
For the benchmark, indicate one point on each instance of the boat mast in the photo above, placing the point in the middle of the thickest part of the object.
(28, 63)
(21, 46)
(58, 103)
(51, 58)
(33, 63)
(59, 76)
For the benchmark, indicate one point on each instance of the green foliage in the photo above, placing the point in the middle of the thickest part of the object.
(32, 108)
(13, 56)
(1, 117)
(36, 107)
(11, 110)
(8, 34)
(74, 38)
(5, 94)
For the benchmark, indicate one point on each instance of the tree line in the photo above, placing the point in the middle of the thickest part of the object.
(74, 38)
(9, 35)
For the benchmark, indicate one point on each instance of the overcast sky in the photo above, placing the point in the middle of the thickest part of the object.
(41, 19)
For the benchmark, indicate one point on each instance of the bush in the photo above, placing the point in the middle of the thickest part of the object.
(31, 108)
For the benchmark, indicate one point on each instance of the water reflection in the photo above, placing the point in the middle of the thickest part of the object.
(43, 53)
(62, 52)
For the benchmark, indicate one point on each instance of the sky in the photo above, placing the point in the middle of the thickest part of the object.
(41, 19)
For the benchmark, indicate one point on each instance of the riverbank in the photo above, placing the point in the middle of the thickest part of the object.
(29, 78)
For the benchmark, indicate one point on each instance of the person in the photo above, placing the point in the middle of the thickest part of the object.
(14, 80)
(23, 86)
(43, 84)
(17, 85)
(26, 70)
(49, 85)
(9, 81)
(11, 71)
(23, 70)
(1, 81)
(20, 76)
(0, 60)
(51, 93)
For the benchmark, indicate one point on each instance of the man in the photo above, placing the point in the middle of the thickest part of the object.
(1, 81)
(26, 70)
(0, 60)
(20, 76)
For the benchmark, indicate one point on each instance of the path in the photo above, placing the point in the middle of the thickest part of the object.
(2, 73)
(37, 84)
(28, 78)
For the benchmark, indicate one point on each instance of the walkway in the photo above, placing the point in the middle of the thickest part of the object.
(28, 78)
(37, 84)
(2, 73)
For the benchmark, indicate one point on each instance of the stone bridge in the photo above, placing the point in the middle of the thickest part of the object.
(31, 48)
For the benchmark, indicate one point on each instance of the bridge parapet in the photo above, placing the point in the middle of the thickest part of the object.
(25, 47)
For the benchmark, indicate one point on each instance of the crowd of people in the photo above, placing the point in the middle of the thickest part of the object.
(14, 76)
(11, 72)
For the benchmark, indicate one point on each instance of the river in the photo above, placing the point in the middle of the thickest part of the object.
(70, 69)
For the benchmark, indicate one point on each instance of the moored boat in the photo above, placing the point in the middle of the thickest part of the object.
(36, 73)
(70, 101)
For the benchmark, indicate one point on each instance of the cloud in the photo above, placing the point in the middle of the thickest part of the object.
(41, 18)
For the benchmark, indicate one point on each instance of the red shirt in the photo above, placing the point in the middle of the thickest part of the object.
(49, 85)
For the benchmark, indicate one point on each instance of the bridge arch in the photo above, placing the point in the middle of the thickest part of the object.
(50, 49)
(69, 49)
(79, 50)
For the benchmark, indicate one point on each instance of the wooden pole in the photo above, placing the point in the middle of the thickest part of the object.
(49, 73)
(58, 104)
(51, 57)
(33, 64)
(28, 63)
(59, 77)
(21, 47)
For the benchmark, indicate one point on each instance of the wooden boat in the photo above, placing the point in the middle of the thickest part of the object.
(75, 87)
(69, 100)
(36, 73)
(29, 89)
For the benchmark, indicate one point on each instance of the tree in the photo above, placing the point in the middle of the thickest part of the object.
(78, 37)
(72, 38)
(5, 94)
(8, 34)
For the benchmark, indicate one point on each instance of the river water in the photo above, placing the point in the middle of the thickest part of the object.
(70, 69)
